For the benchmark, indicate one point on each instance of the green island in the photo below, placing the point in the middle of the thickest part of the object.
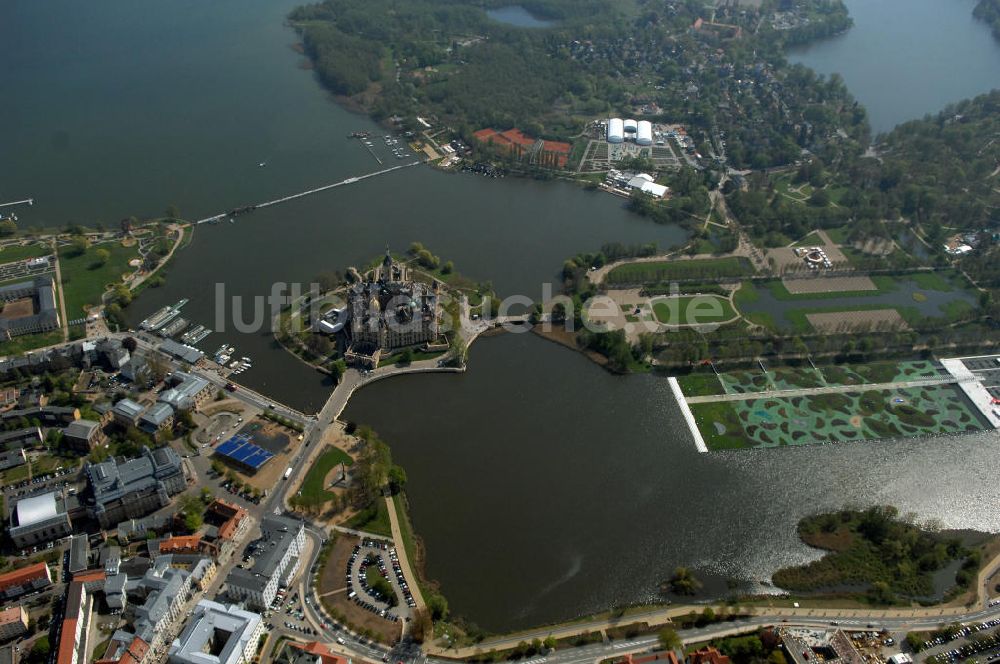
(881, 557)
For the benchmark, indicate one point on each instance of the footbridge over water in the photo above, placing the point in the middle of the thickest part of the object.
(284, 199)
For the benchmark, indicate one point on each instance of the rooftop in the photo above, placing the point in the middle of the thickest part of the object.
(215, 634)
(36, 509)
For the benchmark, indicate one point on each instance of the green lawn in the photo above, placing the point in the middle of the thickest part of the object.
(19, 253)
(720, 426)
(84, 280)
(374, 519)
(781, 292)
(313, 490)
(700, 384)
(657, 271)
(838, 235)
(22, 344)
(44, 464)
(693, 310)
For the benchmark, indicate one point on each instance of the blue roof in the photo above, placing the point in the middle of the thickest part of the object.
(239, 448)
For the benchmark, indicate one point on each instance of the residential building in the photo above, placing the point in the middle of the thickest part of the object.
(313, 652)
(127, 413)
(25, 580)
(83, 435)
(811, 646)
(32, 308)
(707, 655)
(124, 648)
(75, 635)
(79, 553)
(187, 391)
(27, 438)
(136, 487)
(218, 634)
(275, 561)
(113, 353)
(226, 524)
(38, 519)
(46, 415)
(179, 544)
(13, 622)
(8, 397)
(12, 459)
(136, 529)
(157, 417)
(8, 655)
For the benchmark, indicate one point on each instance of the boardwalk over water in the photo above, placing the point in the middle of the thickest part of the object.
(301, 194)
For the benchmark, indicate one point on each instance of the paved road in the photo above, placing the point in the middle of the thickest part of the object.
(404, 560)
(829, 389)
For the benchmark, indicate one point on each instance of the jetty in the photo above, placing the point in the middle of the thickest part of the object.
(26, 201)
(301, 194)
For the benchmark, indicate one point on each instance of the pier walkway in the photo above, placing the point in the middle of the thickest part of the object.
(26, 201)
(829, 389)
(301, 194)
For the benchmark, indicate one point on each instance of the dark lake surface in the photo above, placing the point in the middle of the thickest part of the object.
(546, 488)
(543, 486)
(126, 107)
(906, 58)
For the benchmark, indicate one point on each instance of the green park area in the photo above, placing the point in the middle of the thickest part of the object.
(747, 381)
(22, 252)
(773, 421)
(693, 310)
(654, 272)
(373, 519)
(919, 298)
(314, 488)
(88, 274)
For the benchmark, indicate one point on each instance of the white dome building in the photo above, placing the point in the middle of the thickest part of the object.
(616, 130)
(644, 133)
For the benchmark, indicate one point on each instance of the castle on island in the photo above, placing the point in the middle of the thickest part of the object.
(388, 310)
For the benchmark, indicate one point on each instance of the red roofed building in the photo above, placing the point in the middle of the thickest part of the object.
(551, 154)
(26, 579)
(666, 656)
(93, 580)
(319, 651)
(708, 655)
(181, 544)
(122, 650)
(227, 521)
(73, 638)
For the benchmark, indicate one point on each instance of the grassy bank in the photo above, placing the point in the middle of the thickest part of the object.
(313, 490)
(85, 277)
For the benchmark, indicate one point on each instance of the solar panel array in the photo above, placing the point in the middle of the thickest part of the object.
(240, 449)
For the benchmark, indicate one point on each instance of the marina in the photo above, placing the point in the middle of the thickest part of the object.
(163, 316)
(195, 334)
(173, 328)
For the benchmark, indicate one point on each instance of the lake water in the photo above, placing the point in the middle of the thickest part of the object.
(543, 486)
(518, 16)
(546, 488)
(907, 58)
(126, 107)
